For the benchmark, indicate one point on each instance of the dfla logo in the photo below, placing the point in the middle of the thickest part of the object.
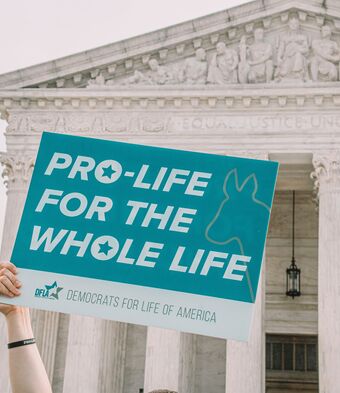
(49, 292)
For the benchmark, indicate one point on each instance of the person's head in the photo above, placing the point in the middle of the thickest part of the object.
(259, 34)
(326, 31)
(294, 23)
(153, 64)
(200, 54)
(220, 48)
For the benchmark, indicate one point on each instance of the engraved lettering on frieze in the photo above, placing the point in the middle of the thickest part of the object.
(106, 123)
(256, 123)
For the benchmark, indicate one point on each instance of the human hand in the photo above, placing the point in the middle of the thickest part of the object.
(9, 286)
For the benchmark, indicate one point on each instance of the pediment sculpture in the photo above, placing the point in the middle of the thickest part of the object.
(192, 71)
(223, 65)
(296, 57)
(292, 60)
(326, 57)
(256, 60)
(158, 75)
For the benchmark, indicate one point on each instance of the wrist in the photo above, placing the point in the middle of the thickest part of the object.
(17, 313)
(21, 343)
(19, 324)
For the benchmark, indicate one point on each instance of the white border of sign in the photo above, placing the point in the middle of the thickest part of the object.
(232, 317)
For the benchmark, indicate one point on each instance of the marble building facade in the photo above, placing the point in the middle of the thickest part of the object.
(261, 80)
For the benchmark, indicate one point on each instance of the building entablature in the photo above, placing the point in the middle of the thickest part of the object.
(311, 95)
(279, 119)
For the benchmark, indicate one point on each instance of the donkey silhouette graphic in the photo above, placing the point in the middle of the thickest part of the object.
(240, 213)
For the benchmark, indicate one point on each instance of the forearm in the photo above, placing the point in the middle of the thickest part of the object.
(27, 371)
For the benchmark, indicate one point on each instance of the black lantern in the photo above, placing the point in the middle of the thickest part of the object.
(293, 273)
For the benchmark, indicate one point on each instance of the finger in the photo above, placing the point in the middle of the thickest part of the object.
(11, 276)
(8, 284)
(9, 266)
(5, 291)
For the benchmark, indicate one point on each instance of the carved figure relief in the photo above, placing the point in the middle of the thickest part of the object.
(157, 75)
(99, 80)
(223, 65)
(256, 60)
(326, 59)
(295, 58)
(292, 54)
(194, 70)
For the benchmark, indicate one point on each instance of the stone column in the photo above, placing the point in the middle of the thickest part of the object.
(17, 171)
(83, 354)
(248, 358)
(327, 182)
(60, 355)
(187, 363)
(245, 368)
(112, 362)
(95, 356)
(170, 361)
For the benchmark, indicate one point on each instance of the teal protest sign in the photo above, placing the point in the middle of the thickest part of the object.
(144, 234)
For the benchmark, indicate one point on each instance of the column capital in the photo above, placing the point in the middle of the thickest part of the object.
(18, 168)
(326, 174)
